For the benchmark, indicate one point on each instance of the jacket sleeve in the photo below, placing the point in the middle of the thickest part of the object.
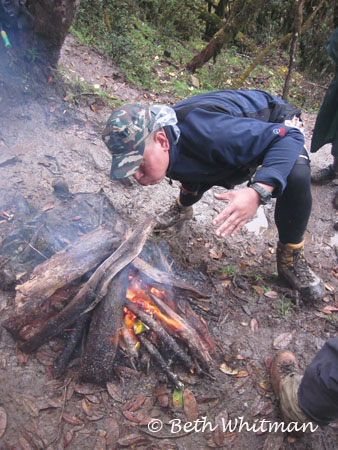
(239, 141)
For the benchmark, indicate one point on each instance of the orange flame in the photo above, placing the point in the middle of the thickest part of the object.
(139, 296)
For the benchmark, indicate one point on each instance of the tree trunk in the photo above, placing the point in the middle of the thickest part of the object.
(294, 42)
(241, 13)
(240, 80)
(36, 34)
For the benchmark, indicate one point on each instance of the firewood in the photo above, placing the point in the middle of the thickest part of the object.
(160, 361)
(187, 334)
(65, 266)
(160, 332)
(129, 343)
(104, 331)
(127, 251)
(75, 338)
(162, 279)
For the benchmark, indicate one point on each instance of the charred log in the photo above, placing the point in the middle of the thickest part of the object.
(104, 332)
(160, 332)
(156, 355)
(74, 340)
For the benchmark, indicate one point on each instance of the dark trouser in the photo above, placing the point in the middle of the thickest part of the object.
(293, 207)
(318, 391)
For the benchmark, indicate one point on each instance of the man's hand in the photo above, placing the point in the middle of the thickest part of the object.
(242, 206)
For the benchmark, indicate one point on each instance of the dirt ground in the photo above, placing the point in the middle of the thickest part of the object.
(250, 315)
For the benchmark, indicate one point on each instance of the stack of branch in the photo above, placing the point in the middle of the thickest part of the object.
(56, 299)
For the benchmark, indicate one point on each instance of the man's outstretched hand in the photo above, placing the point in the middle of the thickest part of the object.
(242, 206)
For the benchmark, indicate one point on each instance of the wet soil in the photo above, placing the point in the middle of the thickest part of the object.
(44, 139)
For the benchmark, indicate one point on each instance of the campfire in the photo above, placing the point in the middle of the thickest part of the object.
(111, 302)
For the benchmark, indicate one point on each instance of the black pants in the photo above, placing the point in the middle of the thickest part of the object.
(318, 391)
(293, 207)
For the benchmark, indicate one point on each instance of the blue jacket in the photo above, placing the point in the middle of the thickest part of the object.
(227, 134)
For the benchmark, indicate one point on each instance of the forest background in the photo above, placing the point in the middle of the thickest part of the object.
(186, 47)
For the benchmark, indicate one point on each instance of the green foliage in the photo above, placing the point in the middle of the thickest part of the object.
(284, 307)
(229, 271)
(136, 34)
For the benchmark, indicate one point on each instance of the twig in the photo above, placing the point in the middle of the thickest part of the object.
(35, 249)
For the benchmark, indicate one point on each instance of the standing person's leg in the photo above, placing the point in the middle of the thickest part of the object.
(314, 396)
(292, 214)
(181, 210)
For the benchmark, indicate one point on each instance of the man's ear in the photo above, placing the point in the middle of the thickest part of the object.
(161, 138)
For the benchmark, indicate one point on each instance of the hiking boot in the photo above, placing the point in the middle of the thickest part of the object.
(176, 215)
(325, 175)
(285, 380)
(293, 268)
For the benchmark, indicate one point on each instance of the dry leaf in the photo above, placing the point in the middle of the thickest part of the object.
(264, 385)
(258, 289)
(86, 388)
(329, 287)
(242, 374)
(132, 440)
(253, 325)
(190, 405)
(219, 434)
(114, 391)
(162, 395)
(283, 340)
(72, 420)
(271, 294)
(134, 403)
(3, 421)
(228, 370)
(328, 309)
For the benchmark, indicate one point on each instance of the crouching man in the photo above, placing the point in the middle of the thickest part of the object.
(224, 138)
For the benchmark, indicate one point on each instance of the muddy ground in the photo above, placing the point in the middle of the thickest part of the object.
(44, 139)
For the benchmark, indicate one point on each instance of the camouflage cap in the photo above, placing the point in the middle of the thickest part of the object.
(124, 135)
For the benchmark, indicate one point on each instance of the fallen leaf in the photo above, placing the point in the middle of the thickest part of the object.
(134, 403)
(190, 405)
(258, 289)
(329, 287)
(71, 420)
(253, 325)
(86, 388)
(162, 395)
(219, 435)
(264, 385)
(178, 398)
(3, 421)
(92, 107)
(114, 391)
(283, 340)
(132, 440)
(242, 374)
(328, 309)
(271, 294)
(228, 370)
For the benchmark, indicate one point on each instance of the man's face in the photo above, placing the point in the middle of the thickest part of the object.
(155, 161)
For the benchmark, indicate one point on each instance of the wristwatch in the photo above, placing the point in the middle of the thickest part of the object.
(264, 195)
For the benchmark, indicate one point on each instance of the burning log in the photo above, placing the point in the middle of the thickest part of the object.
(165, 337)
(96, 287)
(187, 334)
